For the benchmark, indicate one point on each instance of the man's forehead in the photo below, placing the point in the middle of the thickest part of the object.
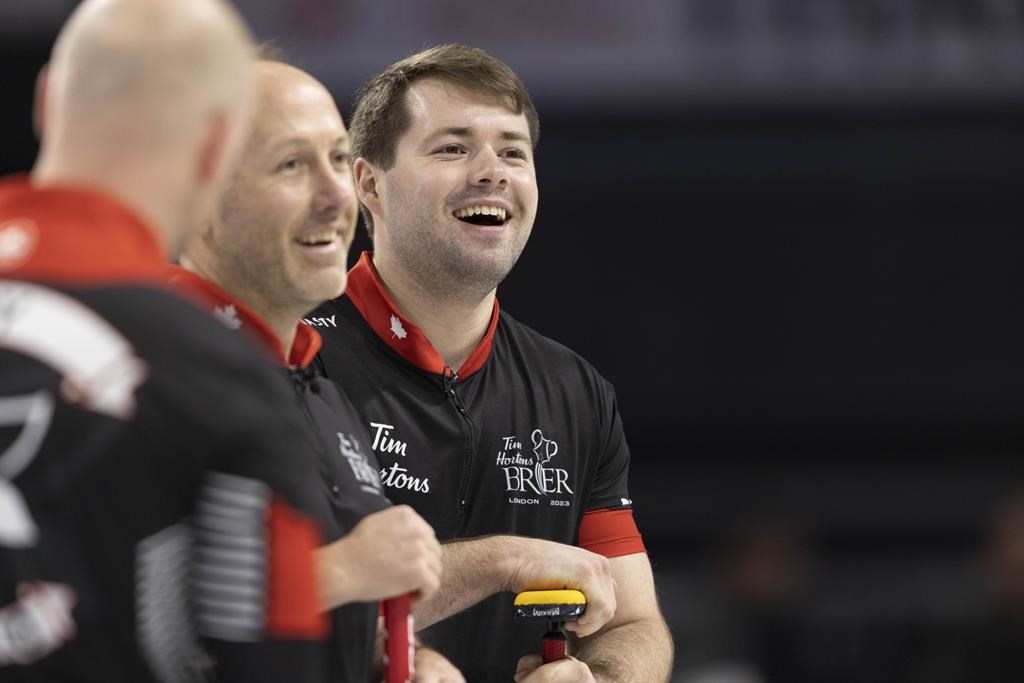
(435, 103)
(297, 111)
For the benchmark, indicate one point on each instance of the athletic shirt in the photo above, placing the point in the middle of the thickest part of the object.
(524, 439)
(152, 491)
(349, 486)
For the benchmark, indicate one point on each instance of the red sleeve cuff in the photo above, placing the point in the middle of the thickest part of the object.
(611, 533)
(293, 609)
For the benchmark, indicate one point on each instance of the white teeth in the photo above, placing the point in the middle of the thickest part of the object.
(318, 238)
(481, 210)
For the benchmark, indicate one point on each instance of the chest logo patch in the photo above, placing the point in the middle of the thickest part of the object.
(364, 473)
(388, 447)
(534, 474)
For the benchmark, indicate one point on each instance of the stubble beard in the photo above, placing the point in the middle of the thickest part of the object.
(451, 270)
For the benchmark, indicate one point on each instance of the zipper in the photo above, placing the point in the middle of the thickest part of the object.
(449, 378)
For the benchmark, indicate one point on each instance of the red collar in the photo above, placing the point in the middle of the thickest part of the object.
(235, 316)
(73, 235)
(367, 293)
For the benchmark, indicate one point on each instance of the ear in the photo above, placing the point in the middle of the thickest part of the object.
(214, 151)
(366, 175)
(39, 102)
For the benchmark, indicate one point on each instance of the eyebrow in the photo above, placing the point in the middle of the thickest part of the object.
(465, 132)
(303, 141)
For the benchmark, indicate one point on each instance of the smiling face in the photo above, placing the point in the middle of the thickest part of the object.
(287, 216)
(456, 208)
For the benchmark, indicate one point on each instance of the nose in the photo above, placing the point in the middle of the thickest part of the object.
(333, 189)
(488, 169)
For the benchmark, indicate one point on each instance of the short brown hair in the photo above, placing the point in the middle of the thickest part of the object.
(380, 116)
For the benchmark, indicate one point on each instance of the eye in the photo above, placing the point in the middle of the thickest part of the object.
(450, 149)
(288, 165)
(340, 158)
(514, 154)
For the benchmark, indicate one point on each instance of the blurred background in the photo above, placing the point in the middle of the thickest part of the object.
(789, 232)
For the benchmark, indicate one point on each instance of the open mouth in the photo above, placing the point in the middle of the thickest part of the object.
(318, 239)
(483, 215)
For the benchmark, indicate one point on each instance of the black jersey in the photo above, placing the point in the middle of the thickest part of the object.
(525, 438)
(154, 523)
(349, 487)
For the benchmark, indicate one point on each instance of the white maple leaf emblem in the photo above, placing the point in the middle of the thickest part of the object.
(397, 329)
(227, 315)
(16, 241)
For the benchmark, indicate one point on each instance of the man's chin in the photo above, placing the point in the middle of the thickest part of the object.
(325, 288)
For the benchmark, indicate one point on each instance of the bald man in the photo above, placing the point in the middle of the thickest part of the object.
(153, 470)
(276, 248)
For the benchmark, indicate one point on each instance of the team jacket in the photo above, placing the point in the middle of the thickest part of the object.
(525, 438)
(155, 521)
(349, 486)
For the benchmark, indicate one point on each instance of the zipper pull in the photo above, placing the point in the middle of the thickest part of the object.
(449, 377)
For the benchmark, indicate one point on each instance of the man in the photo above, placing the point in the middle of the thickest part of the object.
(275, 248)
(492, 432)
(149, 475)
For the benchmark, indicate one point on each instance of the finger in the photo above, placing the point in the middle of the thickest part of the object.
(526, 664)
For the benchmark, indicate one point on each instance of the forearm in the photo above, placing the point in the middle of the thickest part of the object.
(634, 652)
(472, 570)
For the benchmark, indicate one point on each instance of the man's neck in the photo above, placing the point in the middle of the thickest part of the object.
(453, 327)
(134, 194)
(281, 323)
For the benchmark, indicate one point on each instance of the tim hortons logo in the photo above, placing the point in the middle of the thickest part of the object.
(385, 443)
(529, 474)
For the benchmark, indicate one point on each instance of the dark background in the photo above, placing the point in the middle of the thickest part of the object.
(789, 232)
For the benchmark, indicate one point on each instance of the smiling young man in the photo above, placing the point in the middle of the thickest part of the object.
(508, 443)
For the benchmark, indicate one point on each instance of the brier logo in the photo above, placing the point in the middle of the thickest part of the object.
(529, 474)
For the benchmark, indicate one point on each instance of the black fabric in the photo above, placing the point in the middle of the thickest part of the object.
(349, 489)
(460, 453)
(101, 484)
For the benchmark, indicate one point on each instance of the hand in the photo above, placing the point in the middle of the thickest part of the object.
(41, 619)
(388, 553)
(531, 669)
(545, 565)
(432, 667)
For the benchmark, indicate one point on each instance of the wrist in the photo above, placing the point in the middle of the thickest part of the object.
(510, 553)
(333, 582)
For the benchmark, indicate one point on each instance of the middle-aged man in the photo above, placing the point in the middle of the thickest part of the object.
(273, 250)
(496, 434)
(150, 483)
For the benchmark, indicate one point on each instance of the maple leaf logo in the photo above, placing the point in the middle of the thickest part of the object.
(396, 328)
(227, 315)
(17, 239)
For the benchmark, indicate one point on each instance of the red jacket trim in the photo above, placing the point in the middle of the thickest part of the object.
(611, 533)
(293, 606)
(236, 315)
(382, 315)
(74, 235)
